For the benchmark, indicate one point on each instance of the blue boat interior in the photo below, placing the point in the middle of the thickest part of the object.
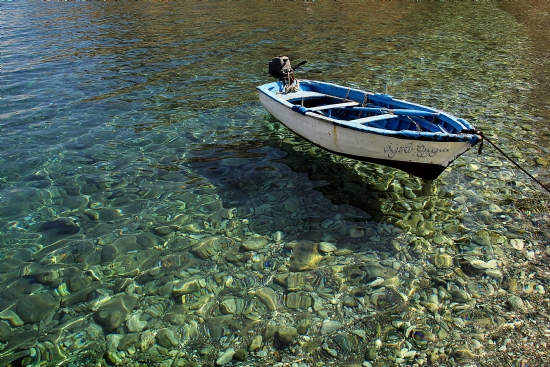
(374, 110)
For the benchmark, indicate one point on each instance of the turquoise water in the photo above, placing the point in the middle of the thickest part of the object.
(130, 132)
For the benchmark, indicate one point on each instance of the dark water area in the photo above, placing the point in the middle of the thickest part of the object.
(153, 213)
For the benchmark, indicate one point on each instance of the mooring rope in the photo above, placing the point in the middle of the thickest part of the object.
(510, 159)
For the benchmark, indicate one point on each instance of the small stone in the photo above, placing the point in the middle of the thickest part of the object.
(517, 244)
(268, 297)
(391, 282)
(12, 317)
(240, 355)
(134, 322)
(167, 338)
(463, 353)
(115, 311)
(113, 340)
(128, 340)
(209, 247)
(443, 261)
(305, 256)
(292, 204)
(146, 340)
(356, 232)
(327, 247)
(330, 326)
(226, 357)
(516, 303)
(303, 326)
(256, 343)
(60, 226)
(460, 296)
(494, 273)
(371, 354)
(163, 230)
(375, 270)
(287, 334)
(269, 331)
(254, 243)
(228, 306)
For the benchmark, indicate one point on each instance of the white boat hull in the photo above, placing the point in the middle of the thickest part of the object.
(423, 158)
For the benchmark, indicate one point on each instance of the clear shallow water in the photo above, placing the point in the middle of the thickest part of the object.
(140, 123)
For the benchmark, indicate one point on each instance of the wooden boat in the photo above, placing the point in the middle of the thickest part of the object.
(370, 127)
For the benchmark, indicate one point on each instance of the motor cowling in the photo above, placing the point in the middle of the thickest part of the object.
(279, 67)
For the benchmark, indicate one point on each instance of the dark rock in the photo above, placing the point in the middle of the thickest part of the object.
(78, 281)
(303, 326)
(121, 284)
(287, 334)
(167, 338)
(371, 354)
(34, 307)
(162, 230)
(128, 340)
(60, 226)
(79, 295)
(115, 312)
(346, 342)
(269, 331)
(121, 246)
(240, 355)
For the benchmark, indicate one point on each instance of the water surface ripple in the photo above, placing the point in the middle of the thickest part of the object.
(153, 213)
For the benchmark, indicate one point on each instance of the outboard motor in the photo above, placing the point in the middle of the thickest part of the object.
(280, 67)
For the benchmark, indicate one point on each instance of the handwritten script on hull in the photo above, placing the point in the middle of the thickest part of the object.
(421, 150)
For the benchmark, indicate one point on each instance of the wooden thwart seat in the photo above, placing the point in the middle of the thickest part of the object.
(296, 96)
(336, 105)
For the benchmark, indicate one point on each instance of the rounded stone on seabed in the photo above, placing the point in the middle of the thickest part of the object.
(167, 338)
(163, 230)
(34, 307)
(134, 322)
(327, 247)
(494, 273)
(287, 334)
(391, 282)
(254, 243)
(461, 296)
(268, 297)
(356, 232)
(146, 340)
(12, 317)
(516, 303)
(240, 355)
(228, 306)
(330, 326)
(277, 237)
(303, 326)
(256, 343)
(115, 311)
(517, 244)
(371, 354)
(291, 204)
(225, 357)
(305, 256)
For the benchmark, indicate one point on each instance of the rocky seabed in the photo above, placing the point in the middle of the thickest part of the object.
(438, 278)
